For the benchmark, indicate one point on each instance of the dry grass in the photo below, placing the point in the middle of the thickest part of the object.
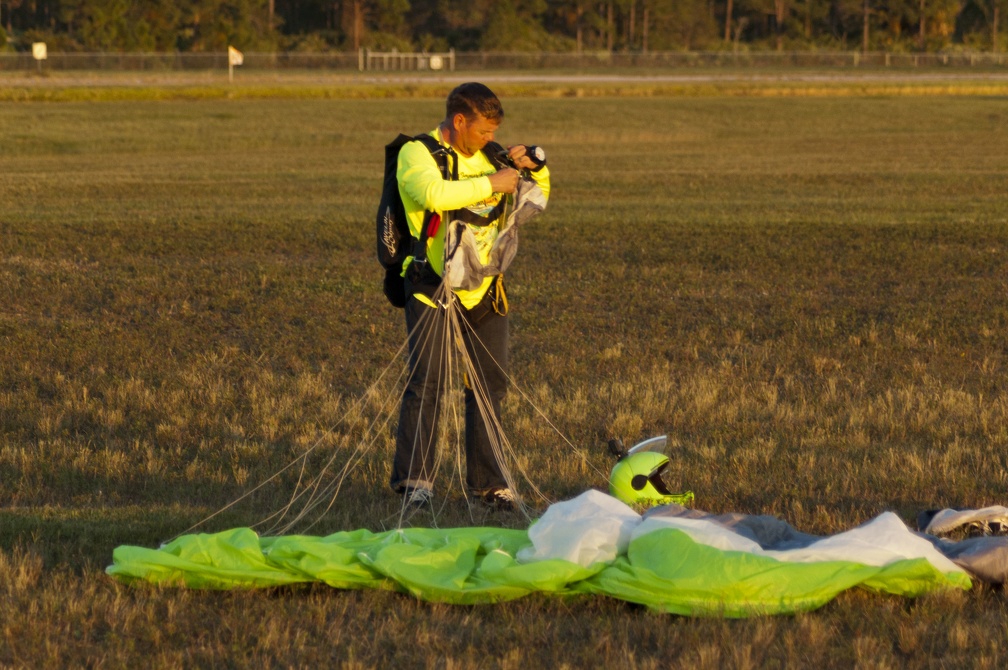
(806, 294)
(788, 81)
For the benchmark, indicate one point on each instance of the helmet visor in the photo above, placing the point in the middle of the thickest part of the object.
(657, 481)
(657, 444)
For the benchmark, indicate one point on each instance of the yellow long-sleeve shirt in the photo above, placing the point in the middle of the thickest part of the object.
(423, 188)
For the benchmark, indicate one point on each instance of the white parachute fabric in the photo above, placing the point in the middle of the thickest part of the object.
(464, 270)
(589, 529)
(878, 542)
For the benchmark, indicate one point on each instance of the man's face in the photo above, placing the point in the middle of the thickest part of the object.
(471, 136)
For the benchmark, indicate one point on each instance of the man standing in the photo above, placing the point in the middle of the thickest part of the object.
(474, 191)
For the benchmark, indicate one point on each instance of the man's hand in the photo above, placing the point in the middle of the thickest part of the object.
(504, 181)
(519, 157)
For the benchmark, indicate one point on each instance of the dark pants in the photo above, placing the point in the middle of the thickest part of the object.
(485, 337)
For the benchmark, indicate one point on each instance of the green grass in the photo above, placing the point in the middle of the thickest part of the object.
(806, 293)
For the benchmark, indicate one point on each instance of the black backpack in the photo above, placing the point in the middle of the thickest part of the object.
(394, 240)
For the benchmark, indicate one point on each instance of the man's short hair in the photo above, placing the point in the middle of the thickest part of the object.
(474, 99)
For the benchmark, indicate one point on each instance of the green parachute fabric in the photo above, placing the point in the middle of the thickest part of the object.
(456, 565)
(590, 545)
(669, 572)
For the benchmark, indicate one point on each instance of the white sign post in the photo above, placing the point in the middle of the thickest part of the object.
(39, 53)
(235, 57)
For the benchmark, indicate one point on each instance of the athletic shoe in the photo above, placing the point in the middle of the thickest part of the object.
(417, 497)
(501, 498)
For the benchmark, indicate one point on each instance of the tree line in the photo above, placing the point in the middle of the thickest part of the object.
(637, 26)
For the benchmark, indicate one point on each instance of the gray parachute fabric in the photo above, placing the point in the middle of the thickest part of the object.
(973, 538)
(948, 521)
(464, 270)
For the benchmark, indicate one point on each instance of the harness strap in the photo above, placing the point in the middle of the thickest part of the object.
(468, 216)
(440, 154)
(500, 301)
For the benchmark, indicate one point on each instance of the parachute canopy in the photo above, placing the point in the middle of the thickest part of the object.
(672, 560)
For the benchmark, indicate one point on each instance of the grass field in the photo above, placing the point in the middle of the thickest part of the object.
(807, 293)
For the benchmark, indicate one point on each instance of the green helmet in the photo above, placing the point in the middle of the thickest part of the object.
(636, 479)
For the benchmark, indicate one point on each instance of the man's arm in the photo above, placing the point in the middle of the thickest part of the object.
(421, 182)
